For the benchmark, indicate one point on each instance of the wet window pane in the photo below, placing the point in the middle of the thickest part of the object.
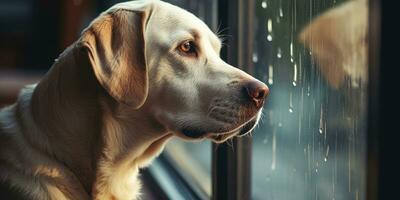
(311, 142)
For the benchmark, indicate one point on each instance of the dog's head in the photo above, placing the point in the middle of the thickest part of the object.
(157, 57)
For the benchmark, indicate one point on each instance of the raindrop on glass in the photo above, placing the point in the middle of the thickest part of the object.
(273, 164)
(280, 12)
(290, 103)
(291, 52)
(264, 4)
(294, 75)
(326, 154)
(269, 25)
(255, 58)
(321, 121)
(279, 53)
(270, 75)
(269, 37)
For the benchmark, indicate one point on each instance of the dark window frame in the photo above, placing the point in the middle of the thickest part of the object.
(231, 164)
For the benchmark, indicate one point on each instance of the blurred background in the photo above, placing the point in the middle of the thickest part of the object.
(32, 34)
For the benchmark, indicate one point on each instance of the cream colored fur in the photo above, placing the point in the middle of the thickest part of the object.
(112, 100)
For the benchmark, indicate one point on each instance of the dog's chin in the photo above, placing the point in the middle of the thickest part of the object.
(219, 137)
(238, 132)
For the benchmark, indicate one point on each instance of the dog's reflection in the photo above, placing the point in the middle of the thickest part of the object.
(337, 40)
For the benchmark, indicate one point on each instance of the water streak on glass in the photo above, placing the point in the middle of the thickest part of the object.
(294, 83)
(279, 53)
(269, 25)
(273, 164)
(270, 75)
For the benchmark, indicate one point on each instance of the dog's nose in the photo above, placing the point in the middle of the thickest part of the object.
(257, 91)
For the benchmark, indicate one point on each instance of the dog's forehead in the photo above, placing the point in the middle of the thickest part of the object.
(173, 16)
(170, 18)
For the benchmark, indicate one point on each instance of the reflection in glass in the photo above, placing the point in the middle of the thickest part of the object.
(311, 142)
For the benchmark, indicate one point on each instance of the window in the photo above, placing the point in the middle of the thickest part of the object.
(311, 143)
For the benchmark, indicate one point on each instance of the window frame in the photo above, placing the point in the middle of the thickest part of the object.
(231, 163)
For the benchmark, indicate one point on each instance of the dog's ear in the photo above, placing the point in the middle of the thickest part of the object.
(115, 43)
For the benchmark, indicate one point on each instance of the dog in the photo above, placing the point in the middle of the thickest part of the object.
(140, 73)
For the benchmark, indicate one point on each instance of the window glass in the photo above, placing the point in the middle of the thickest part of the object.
(311, 142)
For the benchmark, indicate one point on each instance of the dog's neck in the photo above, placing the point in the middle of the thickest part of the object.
(102, 142)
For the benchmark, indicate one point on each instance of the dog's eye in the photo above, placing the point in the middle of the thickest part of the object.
(188, 47)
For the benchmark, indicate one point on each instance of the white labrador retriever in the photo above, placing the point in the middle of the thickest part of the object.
(142, 72)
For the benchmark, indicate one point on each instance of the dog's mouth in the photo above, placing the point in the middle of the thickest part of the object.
(238, 132)
(219, 137)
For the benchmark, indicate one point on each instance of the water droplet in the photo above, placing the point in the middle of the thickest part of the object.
(270, 75)
(279, 53)
(327, 153)
(269, 37)
(269, 25)
(265, 141)
(264, 4)
(291, 52)
(280, 12)
(280, 124)
(273, 164)
(255, 57)
(294, 74)
(321, 121)
(291, 48)
(316, 170)
(290, 102)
